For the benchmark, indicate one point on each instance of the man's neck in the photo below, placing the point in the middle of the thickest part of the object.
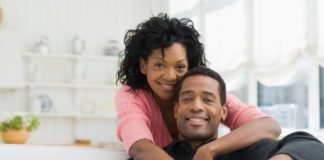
(195, 144)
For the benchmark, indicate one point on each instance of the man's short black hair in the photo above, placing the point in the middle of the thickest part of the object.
(204, 71)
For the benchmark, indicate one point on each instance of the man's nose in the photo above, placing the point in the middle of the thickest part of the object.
(197, 105)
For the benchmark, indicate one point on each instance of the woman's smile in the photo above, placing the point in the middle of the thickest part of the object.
(163, 71)
(167, 87)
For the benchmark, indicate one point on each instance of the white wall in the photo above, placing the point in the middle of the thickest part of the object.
(96, 21)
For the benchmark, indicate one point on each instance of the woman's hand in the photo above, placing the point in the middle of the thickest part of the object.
(244, 136)
(145, 150)
(281, 157)
(204, 152)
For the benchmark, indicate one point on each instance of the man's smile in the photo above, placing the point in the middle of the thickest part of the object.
(197, 120)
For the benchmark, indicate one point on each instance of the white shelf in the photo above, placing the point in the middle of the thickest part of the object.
(97, 116)
(70, 56)
(77, 92)
(53, 115)
(57, 115)
(72, 85)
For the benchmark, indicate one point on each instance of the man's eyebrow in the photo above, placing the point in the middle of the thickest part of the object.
(209, 93)
(185, 92)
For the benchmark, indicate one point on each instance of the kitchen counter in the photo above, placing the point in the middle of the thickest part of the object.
(29, 152)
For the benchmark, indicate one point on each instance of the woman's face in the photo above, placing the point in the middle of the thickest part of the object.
(163, 73)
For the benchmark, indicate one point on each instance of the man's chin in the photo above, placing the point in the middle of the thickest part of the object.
(197, 137)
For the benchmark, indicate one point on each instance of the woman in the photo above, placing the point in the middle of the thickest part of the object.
(157, 54)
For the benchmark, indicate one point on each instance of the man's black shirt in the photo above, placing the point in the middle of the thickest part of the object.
(299, 145)
(182, 150)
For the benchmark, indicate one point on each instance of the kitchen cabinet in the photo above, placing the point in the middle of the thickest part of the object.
(75, 90)
(79, 86)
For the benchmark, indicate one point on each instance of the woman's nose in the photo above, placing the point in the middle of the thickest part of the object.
(170, 75)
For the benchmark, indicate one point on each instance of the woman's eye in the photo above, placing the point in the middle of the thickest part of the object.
(181, 67)
(158, 65)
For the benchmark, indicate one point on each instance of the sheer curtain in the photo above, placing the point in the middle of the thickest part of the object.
(279, 40)
(226, 42)
(316, 25)
(268, 38)
(279, 44)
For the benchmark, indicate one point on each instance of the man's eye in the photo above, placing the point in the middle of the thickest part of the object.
(186, 99)
(207, 100)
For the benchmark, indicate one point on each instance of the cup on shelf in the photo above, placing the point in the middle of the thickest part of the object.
(112, 48)
(78, 45)
(43, 46)
(41, 104)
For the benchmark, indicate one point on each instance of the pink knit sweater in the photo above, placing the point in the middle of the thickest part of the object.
(140, 117)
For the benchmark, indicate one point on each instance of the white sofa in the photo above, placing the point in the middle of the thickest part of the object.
(40, 152)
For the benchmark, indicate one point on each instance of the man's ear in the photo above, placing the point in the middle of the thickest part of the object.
(224, 113)
(142, 65)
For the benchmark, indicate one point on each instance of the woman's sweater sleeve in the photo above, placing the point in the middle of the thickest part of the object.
(134, 123)
(240, 113)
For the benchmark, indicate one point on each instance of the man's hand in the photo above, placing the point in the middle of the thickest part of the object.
(204, 152)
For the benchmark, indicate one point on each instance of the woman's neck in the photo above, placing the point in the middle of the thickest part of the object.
(166, 108)
(164, 105)
(167, 112)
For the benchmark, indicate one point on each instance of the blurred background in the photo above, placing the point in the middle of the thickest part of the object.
(58, 59)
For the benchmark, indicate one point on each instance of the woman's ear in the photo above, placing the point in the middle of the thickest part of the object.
(224, 113)
(142, 65)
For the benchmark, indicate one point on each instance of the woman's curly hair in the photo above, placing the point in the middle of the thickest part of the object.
(158, 32)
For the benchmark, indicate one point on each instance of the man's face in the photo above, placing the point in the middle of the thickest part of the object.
(199, 110)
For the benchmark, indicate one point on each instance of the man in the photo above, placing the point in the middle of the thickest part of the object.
(200, 107)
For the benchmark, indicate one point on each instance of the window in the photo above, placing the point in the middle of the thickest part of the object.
(265, 50)
(295, 93)
(322, 96)
(239, 88)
